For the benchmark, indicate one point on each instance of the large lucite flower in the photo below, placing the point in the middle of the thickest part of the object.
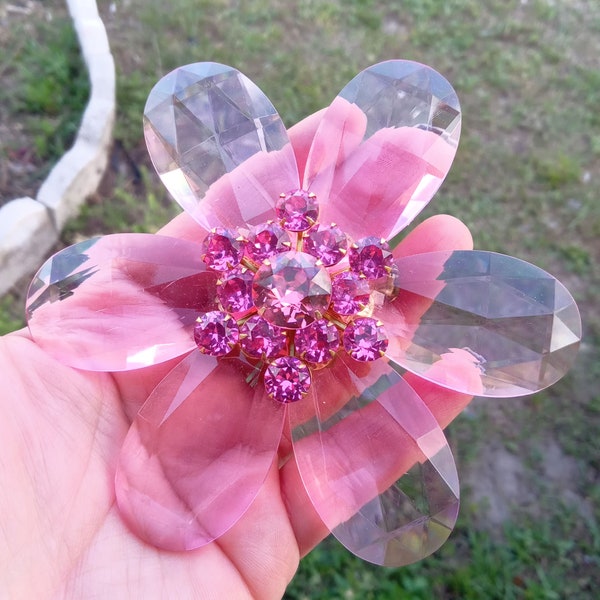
(290, 305)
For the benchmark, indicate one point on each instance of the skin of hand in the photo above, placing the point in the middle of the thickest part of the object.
(61, 429)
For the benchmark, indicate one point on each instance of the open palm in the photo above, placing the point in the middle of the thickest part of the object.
(61, 533)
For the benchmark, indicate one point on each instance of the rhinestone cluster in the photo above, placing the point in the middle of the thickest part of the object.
(292, 293)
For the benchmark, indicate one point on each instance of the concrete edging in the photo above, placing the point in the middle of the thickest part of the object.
(29, 228)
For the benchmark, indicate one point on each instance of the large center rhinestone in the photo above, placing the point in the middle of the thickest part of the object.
(291, 290)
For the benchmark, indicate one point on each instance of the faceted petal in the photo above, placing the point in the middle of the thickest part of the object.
(197, 453)
(383, 148)
(369, 428)
(218, 145)
(508, 321)
(120, 302)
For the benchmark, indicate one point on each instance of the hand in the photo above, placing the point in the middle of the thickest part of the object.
(61, 431)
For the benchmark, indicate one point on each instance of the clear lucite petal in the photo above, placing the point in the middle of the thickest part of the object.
(219, 145)
(197, 453)
(120, 302)
(481, 323)
(383, 148)
(369, 428)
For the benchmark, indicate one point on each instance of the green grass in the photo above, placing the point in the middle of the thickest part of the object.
(525, 180)
(11, 314)
(137, 206)
(49, 87)
(43, 93)
(532, 560)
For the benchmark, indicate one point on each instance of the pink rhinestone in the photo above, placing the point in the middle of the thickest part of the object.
(260, 339)
(370, 257)
(318, 342)
(234, 292)
(290, 290)
(266, 240)
(365, 339)
(221, 250)
(297, 210)
(350, 293)
(287, 379)
(216, 333)
(327, 243)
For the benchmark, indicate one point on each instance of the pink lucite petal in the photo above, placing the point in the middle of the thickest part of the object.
(340, 132)
(120, 302)
(219, 145)
(369, 428)
(383, 148)
(481, 323)
(197, 453)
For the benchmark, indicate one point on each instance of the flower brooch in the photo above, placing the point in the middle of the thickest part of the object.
(292, 308)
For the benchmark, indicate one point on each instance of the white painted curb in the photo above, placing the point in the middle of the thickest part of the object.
(29, 228)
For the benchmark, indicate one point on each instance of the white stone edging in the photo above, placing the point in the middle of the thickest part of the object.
(29, 228)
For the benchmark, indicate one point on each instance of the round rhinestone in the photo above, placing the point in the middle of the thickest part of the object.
(216, 333)
(260, 339)
(265, 240)
(287, 379)
(350, 293)
(297, 210)
(291, 290)
(318, 342)
(365, 339)
(234, 292)
(327, 242)
(370, 257)
(222, 250)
